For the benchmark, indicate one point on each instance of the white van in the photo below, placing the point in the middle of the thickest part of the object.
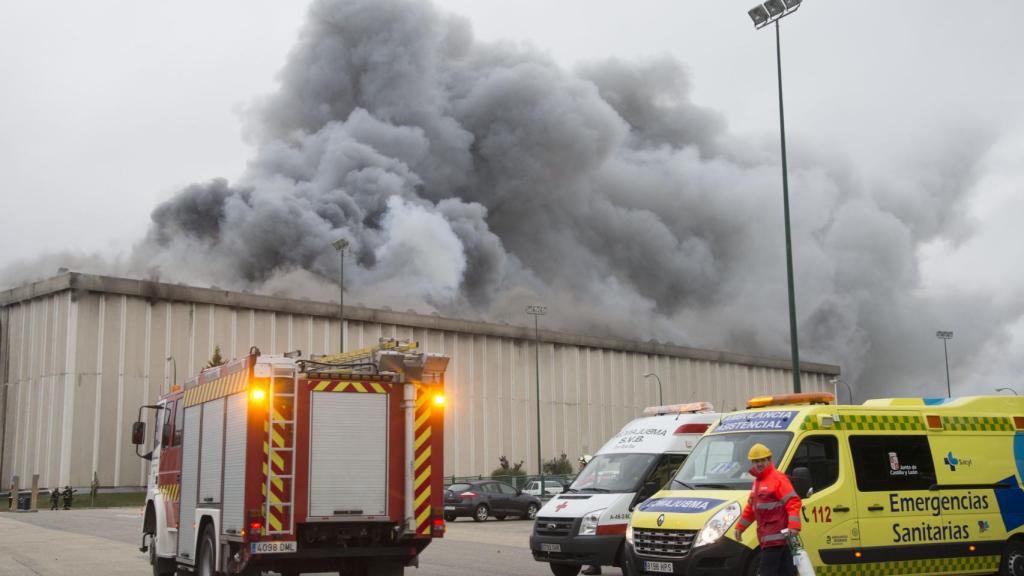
(586, 525)
(550, 487)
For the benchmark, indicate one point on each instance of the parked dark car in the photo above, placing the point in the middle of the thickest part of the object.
(484, 498)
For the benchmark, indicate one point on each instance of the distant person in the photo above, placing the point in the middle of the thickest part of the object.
(68, 495)
(775, 506)
(54, 499)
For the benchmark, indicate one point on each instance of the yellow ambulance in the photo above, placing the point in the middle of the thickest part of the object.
(895, 486)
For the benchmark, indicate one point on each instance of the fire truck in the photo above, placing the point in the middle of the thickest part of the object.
(278, 463)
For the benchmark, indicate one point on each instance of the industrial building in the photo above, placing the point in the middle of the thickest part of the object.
(80, 353)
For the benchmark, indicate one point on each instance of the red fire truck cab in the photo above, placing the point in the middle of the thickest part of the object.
(276, 463)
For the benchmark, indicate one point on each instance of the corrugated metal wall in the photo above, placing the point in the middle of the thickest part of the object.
(79, 365)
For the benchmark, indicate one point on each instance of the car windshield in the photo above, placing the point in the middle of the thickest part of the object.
(613, 473)
(720, 460)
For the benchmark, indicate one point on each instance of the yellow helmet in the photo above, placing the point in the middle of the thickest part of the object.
(759, 451)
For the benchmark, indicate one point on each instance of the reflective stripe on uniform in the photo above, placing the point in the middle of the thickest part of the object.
(768, 505)
(744, 522)
(794, 519)
(773, 537)
(789, 496)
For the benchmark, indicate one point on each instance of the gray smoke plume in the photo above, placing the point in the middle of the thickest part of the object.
(474, 178)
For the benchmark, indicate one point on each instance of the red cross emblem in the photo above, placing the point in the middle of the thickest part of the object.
(561, 506)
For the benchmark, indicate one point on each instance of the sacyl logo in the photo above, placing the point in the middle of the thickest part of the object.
(953, 461)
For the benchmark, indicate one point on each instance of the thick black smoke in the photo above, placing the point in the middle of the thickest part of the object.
(474, 178)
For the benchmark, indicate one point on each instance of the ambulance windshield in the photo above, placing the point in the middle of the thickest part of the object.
(613, 473)
(720, 460)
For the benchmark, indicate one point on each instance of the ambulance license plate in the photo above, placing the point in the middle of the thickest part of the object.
(662, 567)
(273, 547)
(550, 547)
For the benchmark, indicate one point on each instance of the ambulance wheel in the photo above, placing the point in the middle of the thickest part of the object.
(565, 569)
(531, 512)
(207, 558)
(753, 564)
(481, 513)
(1012, 563)
(161, 566)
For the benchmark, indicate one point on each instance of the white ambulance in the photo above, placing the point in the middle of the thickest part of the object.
(586, 525)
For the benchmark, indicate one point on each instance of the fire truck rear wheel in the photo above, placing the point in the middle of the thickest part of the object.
(481, 513)
(206, 559)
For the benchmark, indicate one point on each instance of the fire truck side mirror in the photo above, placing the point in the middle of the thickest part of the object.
(139, 433)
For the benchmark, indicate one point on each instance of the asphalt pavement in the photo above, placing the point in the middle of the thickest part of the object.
(105, 542)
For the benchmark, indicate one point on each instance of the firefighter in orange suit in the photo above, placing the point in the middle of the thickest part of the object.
(774, 504)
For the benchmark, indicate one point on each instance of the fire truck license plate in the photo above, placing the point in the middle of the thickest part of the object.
(663, 567)
(273, 547)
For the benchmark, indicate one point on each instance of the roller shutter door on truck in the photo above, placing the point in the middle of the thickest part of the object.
(189, 482)
(348, 455)
(212, 463)
(234, 464)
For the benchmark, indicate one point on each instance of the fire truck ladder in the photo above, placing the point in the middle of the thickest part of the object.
(351, 361)
(280, 487)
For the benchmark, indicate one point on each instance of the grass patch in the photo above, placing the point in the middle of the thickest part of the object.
(103, 500)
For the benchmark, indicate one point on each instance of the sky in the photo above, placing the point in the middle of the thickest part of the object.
(903, 121)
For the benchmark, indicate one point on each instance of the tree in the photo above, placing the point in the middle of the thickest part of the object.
(216, 359)
(505, 469)
(560, 465)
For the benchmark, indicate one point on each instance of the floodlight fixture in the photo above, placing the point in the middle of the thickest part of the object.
(772, 11)
(759, 15)
(775, 7)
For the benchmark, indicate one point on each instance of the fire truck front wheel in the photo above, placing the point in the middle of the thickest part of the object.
(206, 559)
(161, 566)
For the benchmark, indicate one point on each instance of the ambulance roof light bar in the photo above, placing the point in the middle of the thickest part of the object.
(785, 399)
(690, 408)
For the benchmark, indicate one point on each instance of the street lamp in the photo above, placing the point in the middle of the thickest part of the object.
(946, 335)
(763, 15)
(661, 401)
(536, 312)
(340, 244)
(1007, 390)
(835, 388)
(174, 368)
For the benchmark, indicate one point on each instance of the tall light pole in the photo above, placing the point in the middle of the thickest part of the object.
(340, 244)
(1007, 390)
(835, 388)
(763, 15)
(945, 335)
(174, 368)
(536, 312)
(661, 400)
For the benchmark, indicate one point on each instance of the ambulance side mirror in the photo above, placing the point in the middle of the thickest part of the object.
(139, 433)
(801, 479)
